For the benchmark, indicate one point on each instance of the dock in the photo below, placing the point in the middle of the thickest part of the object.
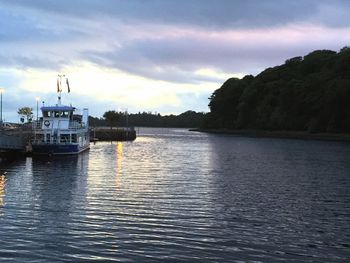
(112, 134)
(14, 140)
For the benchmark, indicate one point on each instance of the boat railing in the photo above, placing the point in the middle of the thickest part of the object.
(42, 141)
(76, 125)
(37, 124)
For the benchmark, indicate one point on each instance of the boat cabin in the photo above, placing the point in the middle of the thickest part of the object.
(61, 125)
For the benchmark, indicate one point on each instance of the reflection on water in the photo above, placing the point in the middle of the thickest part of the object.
(119, 156)
(2, 189)
(173, 195)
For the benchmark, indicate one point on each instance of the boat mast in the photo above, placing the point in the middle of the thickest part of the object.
(59, 87)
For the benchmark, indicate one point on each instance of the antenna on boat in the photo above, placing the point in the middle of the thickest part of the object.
(59, 86)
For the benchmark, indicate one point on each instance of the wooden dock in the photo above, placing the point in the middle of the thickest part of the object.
(113, 134)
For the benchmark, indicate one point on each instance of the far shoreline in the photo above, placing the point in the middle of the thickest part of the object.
(301, 135)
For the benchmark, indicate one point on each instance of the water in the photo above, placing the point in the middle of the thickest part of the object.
(179, 196)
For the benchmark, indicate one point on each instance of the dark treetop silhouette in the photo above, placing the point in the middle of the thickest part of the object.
(310, 93)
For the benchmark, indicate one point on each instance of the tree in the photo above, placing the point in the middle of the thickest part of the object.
(309, 93)
(26, 112)
(112, 117)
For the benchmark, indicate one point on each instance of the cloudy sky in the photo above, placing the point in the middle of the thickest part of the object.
(162, 56)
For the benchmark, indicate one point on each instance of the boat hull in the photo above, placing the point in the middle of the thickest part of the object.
(58, 149)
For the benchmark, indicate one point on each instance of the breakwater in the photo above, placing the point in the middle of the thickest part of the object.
(113, 134)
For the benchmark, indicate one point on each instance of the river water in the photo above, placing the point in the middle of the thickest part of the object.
(179, 196)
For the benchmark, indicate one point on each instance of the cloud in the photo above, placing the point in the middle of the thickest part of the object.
(103, 88)
(215, 14)
(157, 54)
(169, 40)
(178, 55)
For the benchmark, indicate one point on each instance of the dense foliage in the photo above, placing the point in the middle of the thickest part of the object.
(188, 119)
(310, 93)
(112, 117)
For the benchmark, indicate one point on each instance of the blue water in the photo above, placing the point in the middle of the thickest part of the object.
(179, 196)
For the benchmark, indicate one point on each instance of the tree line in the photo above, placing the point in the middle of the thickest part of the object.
(188, 119)
(310, 93)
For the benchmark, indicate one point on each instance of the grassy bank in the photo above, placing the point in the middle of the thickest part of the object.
(281, 134)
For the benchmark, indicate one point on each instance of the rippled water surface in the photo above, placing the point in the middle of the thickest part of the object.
(179, 196)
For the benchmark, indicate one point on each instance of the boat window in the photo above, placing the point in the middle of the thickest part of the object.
(64, 138)
(74, 138)
(77, 118)
(57, 114)
(39, 137)
(65, 114)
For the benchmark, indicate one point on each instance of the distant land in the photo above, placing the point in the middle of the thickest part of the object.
(306, 97)
(308, 94)
(188, 119)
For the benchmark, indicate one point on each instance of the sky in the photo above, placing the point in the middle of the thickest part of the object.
(161, 56)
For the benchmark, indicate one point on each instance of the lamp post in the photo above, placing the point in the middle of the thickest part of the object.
(1, 92)
(37, 108)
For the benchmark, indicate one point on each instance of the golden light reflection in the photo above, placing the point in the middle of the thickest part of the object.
(2, 189)
(119, 157)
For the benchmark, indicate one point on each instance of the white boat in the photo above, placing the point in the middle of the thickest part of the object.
(62, 129)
